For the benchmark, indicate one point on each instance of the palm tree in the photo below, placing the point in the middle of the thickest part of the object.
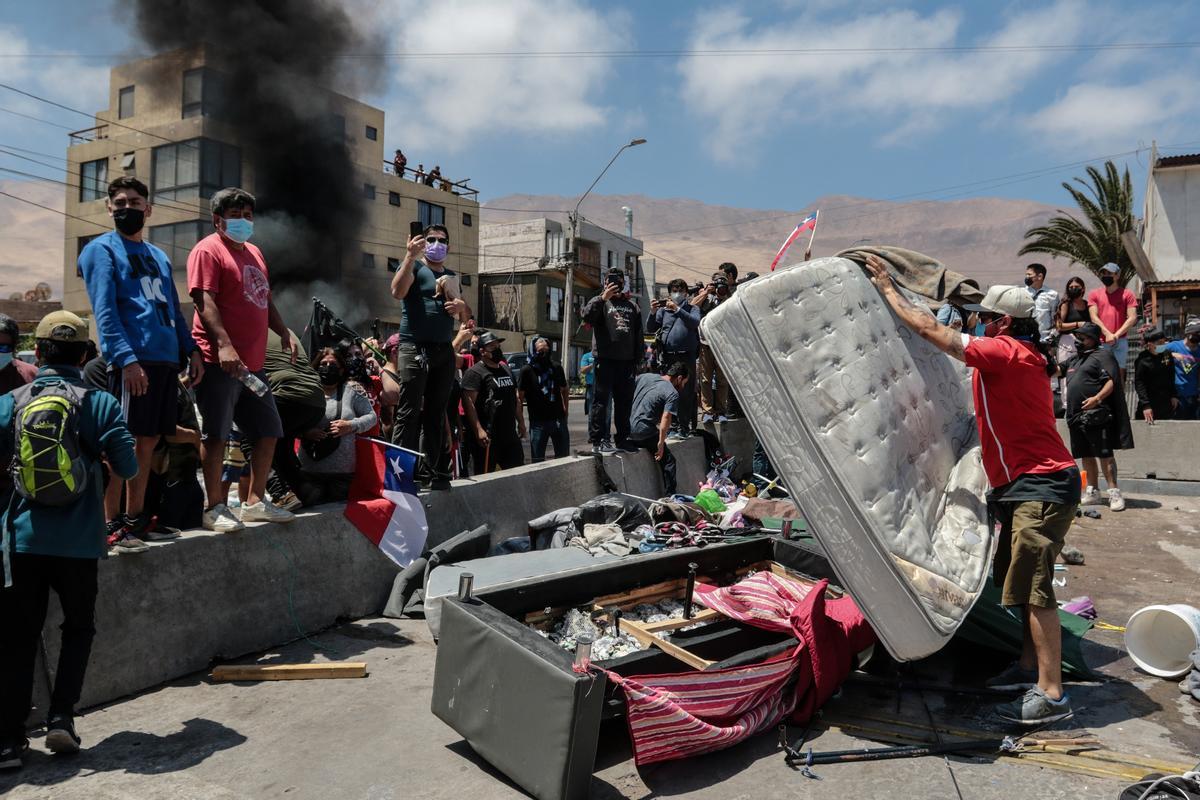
(1107, 211)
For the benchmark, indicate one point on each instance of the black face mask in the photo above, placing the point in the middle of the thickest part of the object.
(129, 220)
(1028, 281)
(542, 358)
(330, 374)
(491, 355)
(356, 367)
(1074, 291)
(1107, 280)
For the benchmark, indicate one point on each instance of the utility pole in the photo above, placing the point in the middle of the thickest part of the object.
(573, 260)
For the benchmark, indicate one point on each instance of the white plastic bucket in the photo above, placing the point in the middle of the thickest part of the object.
(1160, 638)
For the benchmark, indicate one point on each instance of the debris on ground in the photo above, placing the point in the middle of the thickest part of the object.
(1072, 555)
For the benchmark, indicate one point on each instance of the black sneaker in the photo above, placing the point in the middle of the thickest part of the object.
(603, 449)
(439, 485)
(60, 735)
(148, 529)
(12, 754)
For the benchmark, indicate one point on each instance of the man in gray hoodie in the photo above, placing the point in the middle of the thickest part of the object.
(676, 324)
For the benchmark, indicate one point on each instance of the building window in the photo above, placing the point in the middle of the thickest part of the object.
(368, 191)
(467, 221)
(93, 180)
(372, 133)
(393, 264)
(337, 126)
(177, 240)
(368, 261)
(394, 198)
(554, 304)
(612, 259)
(431, 213)
(193, 93)
(197, 166)
(125, 103)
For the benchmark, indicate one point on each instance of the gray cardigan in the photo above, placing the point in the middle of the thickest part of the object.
(355, 408)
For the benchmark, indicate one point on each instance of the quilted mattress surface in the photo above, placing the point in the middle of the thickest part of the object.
(871, 429)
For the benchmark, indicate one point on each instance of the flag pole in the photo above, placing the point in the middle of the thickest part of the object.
(808, 250)
(389, 444)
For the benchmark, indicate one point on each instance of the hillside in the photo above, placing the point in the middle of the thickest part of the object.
(979, 237)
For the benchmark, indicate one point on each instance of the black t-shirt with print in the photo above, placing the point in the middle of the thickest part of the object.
(541, 407)
(496, 401)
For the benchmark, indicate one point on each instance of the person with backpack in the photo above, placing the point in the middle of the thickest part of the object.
(145, 340)
(56, 431)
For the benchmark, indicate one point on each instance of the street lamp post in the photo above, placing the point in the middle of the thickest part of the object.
(573, 259)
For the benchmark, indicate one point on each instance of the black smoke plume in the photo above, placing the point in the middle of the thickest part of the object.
(274, 61)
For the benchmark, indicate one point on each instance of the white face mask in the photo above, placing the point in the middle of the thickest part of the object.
(678, 298)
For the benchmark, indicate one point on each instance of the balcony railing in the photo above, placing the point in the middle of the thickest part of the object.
(89, 134)
(459, 188)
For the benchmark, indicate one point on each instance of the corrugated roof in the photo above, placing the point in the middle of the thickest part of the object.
(1187, 160)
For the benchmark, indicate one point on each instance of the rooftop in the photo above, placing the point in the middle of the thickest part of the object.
(1186, 160)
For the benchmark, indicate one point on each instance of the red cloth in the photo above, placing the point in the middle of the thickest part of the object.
(1112, 307)
(238, 281)
(1014, 409)
(682, 715)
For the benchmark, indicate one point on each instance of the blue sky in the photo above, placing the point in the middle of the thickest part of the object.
(757, 131)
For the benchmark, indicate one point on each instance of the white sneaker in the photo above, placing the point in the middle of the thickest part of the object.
(265, 511)
(1115, 501)
(1091, 497)
(220, 519)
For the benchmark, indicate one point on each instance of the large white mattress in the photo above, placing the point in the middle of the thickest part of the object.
(871, 429)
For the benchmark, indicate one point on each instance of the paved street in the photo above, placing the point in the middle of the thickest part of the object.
(376, 739)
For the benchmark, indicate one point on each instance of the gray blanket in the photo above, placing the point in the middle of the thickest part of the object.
(922, 274)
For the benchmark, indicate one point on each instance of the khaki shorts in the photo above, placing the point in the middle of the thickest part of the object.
(1031, 536)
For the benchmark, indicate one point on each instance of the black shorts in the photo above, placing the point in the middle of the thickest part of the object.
(223, 400)
(1090, 442)
(155, 412)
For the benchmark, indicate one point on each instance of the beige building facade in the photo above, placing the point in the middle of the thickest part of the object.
(159, 127)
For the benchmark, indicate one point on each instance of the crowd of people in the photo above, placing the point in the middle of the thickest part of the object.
(431, 178)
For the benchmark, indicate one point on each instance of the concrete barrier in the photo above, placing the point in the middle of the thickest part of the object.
(1166, 451)
(176, 608)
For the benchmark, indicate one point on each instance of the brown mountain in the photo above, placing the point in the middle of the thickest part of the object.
(979, 237)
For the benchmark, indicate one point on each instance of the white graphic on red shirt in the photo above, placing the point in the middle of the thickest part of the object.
(255, 286)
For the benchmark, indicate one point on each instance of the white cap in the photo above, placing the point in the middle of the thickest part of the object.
(1110, 267)
(1011, 301)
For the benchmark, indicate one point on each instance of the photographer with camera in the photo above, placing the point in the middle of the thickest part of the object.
(617, 328)
(714, 402)
(676, 325)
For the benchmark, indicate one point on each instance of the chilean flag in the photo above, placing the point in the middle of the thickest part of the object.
(383, 502)
(809, 223)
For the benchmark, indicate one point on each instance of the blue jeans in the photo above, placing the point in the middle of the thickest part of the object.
(551, 430)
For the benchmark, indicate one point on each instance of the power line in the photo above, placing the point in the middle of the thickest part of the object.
(35, 119)
(692, 52)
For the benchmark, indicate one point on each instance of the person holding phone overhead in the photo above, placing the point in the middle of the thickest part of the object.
(617, 326)
(421, 373)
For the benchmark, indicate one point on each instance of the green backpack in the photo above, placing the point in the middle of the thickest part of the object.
(49, 466)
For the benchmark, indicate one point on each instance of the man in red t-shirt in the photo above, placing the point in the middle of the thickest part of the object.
(227, 279)
(1114, 309)
(1035, 483)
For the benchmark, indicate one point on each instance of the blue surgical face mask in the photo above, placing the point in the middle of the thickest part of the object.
(980, 328)
(6, 358)
(1162, 348)
(239, 230)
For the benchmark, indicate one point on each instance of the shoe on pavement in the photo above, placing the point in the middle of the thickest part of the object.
(126, 542)
(288, 501)
(1035, 708)
(1014, 677)
(12, 753)
(148, 529)
(1091, 497)
(265, 511)
(722, 419)
(677, 436)
(439, 485)
(603, 449)
(60, 735)
(220, 519)
(1115, 501)
(707, 419)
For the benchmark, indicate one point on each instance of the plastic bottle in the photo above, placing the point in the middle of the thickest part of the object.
(253, 382)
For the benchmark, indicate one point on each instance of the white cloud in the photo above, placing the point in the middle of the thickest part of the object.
(451, 102)
(906, 94)
(1105, 116)
(67, 79)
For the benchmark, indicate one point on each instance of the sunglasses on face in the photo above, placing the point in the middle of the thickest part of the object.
(436, 239)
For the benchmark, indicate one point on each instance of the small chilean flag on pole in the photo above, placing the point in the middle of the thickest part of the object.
(383, 502)
(808, 224)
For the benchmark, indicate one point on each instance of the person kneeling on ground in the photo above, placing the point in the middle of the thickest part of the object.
(1097, 418)
(54, 531)
(328, 454)
(490, 400)
(655, 405)
(1035, 483)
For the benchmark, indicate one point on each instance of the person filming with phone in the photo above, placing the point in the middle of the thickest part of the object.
(425, 361)
(617, 326)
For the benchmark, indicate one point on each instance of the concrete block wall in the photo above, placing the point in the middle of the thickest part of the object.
(1166, 451)
(176, 608)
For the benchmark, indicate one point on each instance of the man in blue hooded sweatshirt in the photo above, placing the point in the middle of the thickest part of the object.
(143, 337)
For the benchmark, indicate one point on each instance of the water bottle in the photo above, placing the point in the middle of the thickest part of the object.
(253, 382)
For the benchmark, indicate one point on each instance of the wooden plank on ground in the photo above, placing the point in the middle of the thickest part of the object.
(289, 672)
(706, 615)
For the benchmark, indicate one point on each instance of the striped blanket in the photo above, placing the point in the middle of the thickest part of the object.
(686, 714)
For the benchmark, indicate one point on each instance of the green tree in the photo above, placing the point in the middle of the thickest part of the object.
(1106, 208)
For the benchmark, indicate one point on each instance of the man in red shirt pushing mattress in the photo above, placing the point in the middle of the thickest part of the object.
(1035, 483)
